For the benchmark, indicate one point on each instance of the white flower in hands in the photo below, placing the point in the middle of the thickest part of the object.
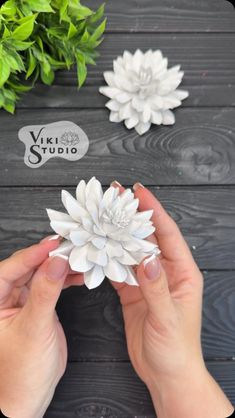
(104, 233)
(142, 90)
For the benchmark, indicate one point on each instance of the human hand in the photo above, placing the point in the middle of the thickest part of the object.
(33, 349)
(163, 324)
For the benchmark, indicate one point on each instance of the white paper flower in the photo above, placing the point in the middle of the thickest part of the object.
(142, 90)
(104, 233)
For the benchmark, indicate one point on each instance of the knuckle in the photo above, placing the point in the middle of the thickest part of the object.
(43, 295)
(160, 287)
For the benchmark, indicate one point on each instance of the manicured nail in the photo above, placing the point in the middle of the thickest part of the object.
(57, 267)
(137, 186)
(50, 238)
(53, 237)
(152, 267)
(115, 183)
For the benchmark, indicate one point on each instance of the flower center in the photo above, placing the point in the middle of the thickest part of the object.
(116, 217)
(145, 76)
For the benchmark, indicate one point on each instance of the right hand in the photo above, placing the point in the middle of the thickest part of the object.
(163, 324)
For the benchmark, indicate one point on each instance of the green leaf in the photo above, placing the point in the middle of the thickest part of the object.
(40, 6)
(32, 63)
(6, 32)
(72, 30)
(8, 8)
(47, 78)
(81, 68)
(63, 10)
(9, 106)
(4, 72)
(23, 31)
(98, 31)
(97, 15)
(22, 45)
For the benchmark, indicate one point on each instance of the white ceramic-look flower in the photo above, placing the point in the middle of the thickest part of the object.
(104, 233)
(142, 90)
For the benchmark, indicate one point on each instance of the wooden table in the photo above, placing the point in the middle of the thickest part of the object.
(189, 166)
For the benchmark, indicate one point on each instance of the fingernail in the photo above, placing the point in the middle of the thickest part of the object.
(57, 267)
(115, 183)
(137, 186)
(50, 238)
(152, 267)
(53, 237)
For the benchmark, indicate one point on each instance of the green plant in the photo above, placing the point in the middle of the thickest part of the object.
(37, 37)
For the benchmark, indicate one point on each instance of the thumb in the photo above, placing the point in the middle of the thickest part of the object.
(154, 286)
(46, 286)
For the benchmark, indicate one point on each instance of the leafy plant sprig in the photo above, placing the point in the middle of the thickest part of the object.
(38, 37)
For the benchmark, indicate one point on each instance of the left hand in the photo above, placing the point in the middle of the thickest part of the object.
(33, 349)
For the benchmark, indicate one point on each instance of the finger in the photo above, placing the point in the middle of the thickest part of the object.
(46, 286)
(23, 261)
(171, 242)
(18, 268)
(74, 280)
(154, 286)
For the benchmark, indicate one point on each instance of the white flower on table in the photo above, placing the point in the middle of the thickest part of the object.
(104, 233)
(142, 90)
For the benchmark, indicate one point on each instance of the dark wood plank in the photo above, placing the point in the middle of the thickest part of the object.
(168, 15)
(207, 59)
(93, 323)
(205, 215)
(198, 149)
(111, 390)
(107, 390)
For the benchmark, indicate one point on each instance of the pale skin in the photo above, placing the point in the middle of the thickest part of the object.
(162, 323)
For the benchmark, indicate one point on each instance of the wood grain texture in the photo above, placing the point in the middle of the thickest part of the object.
(205, 215)
(111, 390)
(167, 15)
(93, 322)
(198, 149)
(208, 61)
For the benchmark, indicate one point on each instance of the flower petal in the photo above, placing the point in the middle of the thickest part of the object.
(114, 248)
(141, 128)
(115, 271)
(131, 278)
(181, 94)
(114, 116)
(144, 231)
(109, 77)
(145, 245)
(109, 196)
(109, 91)
(113, 105)
(75, 210)
(63, 228)
(94, 277)
(99, 242)
(156, 117)
(79, 237)
(97, 256)
(168, 117)
(80, 192)
(143, 216)
(132, 245)
(131, 207)
(94, 191)
(126, 258)
(55, 215)
(132, 121)
(64, 248)
(78, 259)
(125, 197)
